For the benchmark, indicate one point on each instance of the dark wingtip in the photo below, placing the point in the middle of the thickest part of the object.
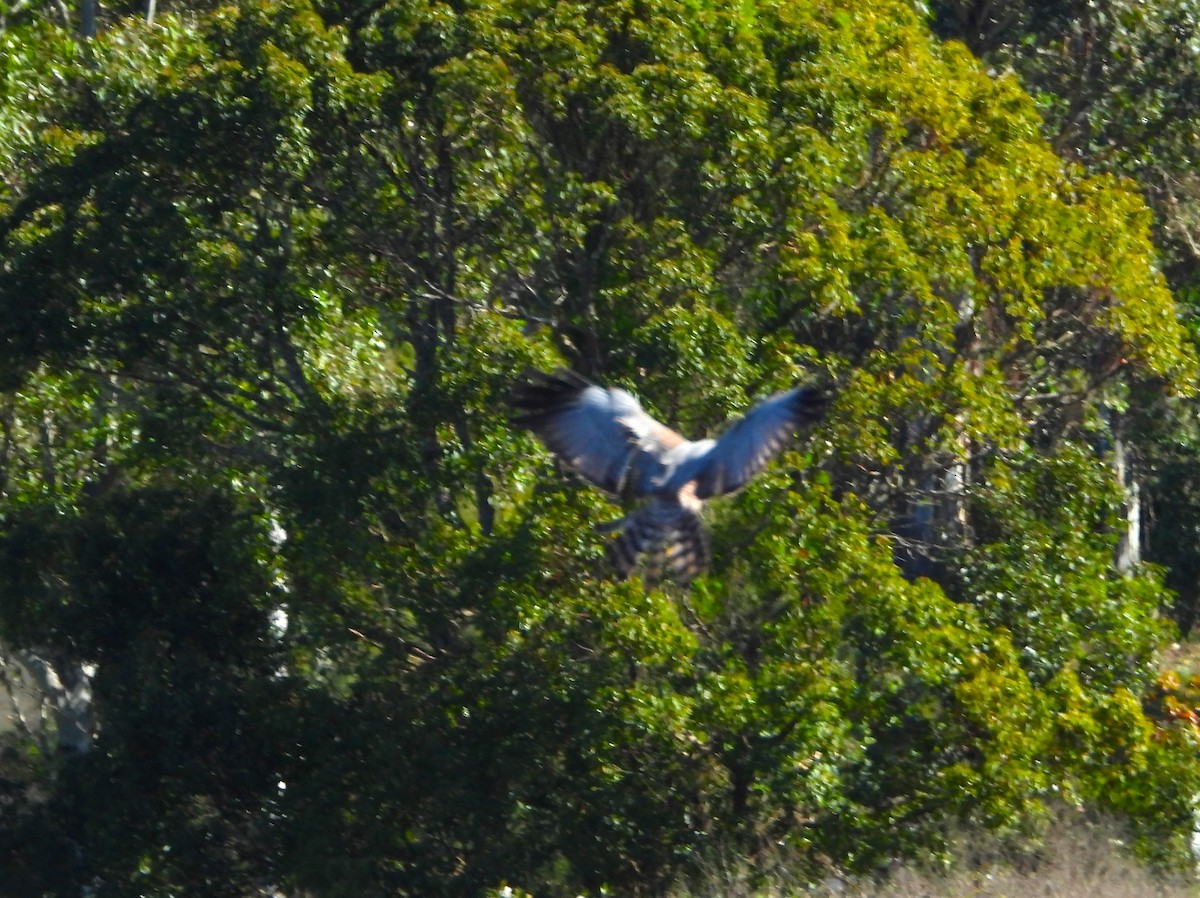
(811, 404)
(541, 395)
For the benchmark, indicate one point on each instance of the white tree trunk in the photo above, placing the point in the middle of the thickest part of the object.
(64, 690)
(1129, 548)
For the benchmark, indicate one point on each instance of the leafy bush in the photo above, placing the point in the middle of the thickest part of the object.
(267, 272)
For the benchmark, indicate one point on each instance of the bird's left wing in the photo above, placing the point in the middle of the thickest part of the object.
(593, 429)
(750, 444)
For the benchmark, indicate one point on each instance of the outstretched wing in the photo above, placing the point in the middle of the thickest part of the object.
(750, 444)
(593, 429)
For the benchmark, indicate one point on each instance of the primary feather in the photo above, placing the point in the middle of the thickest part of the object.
(605, 435)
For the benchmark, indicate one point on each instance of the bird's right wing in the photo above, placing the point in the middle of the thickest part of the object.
(593, 429)
(750, 444)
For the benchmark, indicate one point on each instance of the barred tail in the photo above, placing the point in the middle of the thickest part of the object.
(671, 538)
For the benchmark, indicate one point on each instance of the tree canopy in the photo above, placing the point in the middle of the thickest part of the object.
(268, 272)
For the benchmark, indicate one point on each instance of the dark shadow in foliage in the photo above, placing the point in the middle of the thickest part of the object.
(165, 589)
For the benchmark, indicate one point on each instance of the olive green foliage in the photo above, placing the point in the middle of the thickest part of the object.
(267, 274)
(1116, 83)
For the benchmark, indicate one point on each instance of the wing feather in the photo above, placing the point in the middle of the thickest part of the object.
(595, 430)
(750, 444)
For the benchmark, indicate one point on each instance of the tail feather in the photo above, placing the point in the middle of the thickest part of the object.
(669, 538)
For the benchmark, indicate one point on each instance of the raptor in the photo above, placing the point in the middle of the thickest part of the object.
(605, 435)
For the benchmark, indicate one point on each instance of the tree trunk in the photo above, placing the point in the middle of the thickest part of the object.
(87, 19)
(67, 688)
(1129, 547)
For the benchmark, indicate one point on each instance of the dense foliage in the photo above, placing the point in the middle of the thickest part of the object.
(1116, 83)
(267, 274)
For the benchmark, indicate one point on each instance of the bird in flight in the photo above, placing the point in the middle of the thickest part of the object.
(605, 435)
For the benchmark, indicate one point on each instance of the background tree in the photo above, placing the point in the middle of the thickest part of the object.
(267, 273)
(1116, 84)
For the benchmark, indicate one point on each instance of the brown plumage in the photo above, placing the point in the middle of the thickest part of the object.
(609, 440)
